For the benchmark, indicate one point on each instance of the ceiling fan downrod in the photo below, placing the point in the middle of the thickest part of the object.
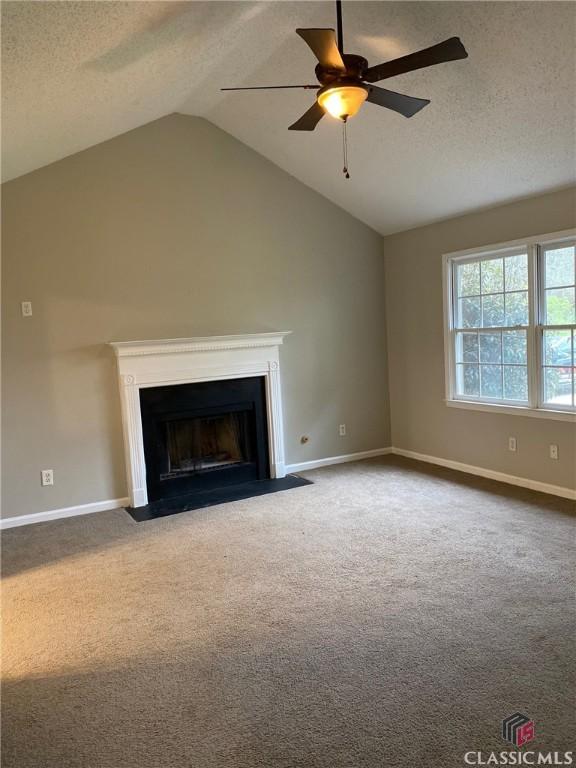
(339, 26)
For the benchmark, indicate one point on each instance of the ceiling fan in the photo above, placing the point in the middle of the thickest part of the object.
(346, 80)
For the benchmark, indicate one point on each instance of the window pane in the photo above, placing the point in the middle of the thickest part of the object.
(492, 275)
(467, 348)
(492, 316)
(514, 347)
(493, 310)
(516, 272)
(558, 347)
(491, 381)
(490, 348)
(515, 382)
(560, 306)
(559, 267)
(558, 386)
(468, 279)
(517, 308)
(468, 380)
(469, 313)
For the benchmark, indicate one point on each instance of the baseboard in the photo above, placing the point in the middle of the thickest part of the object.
(303, 466)
(470, 469)
(490, 474)
(103, 506)
(57, 514)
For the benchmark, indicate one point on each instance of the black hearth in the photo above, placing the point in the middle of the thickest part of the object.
(202, 437)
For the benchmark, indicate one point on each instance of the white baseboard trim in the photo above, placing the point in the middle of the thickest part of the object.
(103, 506)
(490, 474)
(303, 466)
(470, 469)
(57, 514)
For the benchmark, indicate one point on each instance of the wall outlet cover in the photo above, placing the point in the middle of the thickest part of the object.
(47, 477)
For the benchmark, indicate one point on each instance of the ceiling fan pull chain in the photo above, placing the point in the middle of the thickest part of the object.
(345, 149)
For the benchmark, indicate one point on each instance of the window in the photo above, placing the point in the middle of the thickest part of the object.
(558, 313)
(511, 326)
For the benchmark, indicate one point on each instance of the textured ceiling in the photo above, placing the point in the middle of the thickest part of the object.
(501, 124)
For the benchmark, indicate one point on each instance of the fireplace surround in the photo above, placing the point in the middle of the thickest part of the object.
(204, 436)
(145, 366)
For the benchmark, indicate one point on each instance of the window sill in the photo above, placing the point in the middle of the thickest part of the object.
(517, 410)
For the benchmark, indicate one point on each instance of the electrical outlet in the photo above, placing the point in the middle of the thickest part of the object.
(47, 477)
(553, 451)
(26, 309)
(342, 430)
(512, 444)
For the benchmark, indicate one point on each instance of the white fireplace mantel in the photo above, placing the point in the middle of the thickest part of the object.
(180, 361)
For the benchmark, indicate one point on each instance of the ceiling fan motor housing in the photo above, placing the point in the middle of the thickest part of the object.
(355, 67)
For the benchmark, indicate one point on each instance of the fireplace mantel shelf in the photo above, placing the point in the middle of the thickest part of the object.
(198, 344)
(166, 362)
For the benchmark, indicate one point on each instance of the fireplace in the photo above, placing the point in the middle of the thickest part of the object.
(204, 436)
(191, 438)
(202, 421)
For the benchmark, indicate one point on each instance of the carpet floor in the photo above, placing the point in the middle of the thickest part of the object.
(391, 614)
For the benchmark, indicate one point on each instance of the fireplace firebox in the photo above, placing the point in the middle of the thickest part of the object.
(204, 436)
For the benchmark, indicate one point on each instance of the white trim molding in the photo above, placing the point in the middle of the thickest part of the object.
(490, 474)
(304, 466)
(534, 328)
(57, 514)
(470, 469)
(198, 344)
(514, 410)
(164, 362)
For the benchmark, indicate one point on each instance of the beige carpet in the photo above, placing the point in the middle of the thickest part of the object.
(389, 615)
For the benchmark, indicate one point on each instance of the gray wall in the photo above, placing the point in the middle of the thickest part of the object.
(177, 229)
(420, 420)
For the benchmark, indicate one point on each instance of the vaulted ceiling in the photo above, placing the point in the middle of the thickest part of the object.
(501, 124)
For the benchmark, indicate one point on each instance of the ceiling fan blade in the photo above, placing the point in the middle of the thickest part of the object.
(324, 47)
(405, 105)
(449, 50)
(269, 87)
(309, 119)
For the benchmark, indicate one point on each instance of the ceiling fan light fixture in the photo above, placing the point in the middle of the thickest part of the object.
(342, 101)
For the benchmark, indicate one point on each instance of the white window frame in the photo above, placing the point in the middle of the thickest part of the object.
(534, 330)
